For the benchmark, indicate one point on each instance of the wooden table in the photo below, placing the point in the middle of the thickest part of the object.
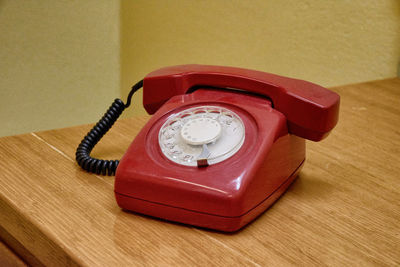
(344, 209)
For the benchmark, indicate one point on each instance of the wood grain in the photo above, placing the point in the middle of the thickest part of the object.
(344, 209)
(8, 257)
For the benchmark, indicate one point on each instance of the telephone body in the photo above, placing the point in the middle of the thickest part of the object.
(223, 144)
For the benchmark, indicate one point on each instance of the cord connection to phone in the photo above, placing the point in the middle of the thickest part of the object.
(82, 155)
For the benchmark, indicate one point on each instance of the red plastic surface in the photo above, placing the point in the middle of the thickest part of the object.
(221, 223)
(224, 196)
(311, 110)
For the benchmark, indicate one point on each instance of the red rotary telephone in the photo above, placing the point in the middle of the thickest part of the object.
(222, 146)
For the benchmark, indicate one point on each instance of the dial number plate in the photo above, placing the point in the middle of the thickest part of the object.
(183, 136)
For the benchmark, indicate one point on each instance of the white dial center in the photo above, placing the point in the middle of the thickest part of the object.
(201, 131)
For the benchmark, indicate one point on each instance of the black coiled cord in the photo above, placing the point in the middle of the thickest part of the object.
(87, 144)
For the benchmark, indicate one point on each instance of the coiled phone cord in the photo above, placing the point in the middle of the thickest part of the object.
(82, 155)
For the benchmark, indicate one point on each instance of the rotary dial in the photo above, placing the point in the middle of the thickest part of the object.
(201, 136)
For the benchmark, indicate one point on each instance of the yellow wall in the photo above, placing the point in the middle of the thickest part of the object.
(59, 63)
(327, 42)
(62, 62)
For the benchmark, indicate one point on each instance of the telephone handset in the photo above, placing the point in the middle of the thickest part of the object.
(223, 144)
(311, 110)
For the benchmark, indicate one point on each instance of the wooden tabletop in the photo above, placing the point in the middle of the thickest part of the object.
(343, 209)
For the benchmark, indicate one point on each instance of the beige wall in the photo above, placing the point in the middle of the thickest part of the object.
(62, 62)
(59, 63)
(327, 42)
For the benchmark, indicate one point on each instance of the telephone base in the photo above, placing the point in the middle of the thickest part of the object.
(204, 220)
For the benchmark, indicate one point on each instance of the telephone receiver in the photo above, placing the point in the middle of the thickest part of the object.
(223, 144)
(311, 110)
